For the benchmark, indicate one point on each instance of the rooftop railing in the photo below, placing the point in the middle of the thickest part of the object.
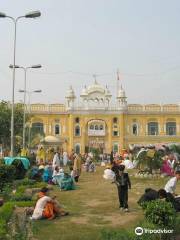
(132, 108)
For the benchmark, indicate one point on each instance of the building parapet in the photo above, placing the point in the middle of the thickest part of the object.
(47, 108)
(132, 109)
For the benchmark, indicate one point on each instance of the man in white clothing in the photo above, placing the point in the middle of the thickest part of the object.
(171, 184)
(56, 160)
(65, 158)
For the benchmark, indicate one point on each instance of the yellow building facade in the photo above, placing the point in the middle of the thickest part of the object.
(98, 123)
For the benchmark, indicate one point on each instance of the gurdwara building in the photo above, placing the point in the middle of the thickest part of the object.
(98, 122)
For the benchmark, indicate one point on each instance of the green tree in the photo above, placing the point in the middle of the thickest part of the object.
(5, 123)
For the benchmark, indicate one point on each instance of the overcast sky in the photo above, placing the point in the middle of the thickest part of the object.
(74, 39)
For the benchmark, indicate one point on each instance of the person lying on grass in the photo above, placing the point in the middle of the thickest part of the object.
(151, 194)
(47, 207)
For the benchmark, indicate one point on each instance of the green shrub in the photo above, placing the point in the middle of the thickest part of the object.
(1, 161)
(160, 213)
(3, 230)
(28, 182)
(7, 175)
(177, 224)
(5, 213)
(24, 203)
(6, 192)
(19, 195)
(40, 185)
(20, 170)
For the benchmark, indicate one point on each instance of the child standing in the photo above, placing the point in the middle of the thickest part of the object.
(123, 182)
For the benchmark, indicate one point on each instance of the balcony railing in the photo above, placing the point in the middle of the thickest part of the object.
(132, 108)
(47, 108)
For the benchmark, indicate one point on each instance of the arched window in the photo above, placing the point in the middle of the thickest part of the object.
(77, 120)
(101, 127)
(57, 129)
(91, 127)
(77, 131)
(38, 127)
(96, 127)
(153, 128)
(77, 148)
(134, 129)
(115, 120)
(171, 128)
(115, 130)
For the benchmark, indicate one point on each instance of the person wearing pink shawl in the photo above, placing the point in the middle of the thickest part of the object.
(166, 168)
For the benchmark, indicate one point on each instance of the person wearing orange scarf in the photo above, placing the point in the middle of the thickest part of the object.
(47, 207)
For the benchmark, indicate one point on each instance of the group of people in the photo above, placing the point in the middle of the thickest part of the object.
(51, 171)
(116, 173)
(168, 193)
(46, 206)
(53, 168)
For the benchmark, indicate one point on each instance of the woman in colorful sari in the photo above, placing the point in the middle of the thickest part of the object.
(47, 207)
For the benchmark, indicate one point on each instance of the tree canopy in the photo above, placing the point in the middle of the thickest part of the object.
(5, 122)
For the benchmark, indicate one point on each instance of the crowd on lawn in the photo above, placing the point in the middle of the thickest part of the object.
(64, 169)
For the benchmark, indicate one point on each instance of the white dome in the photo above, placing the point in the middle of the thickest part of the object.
(96, 87)
(50, 139)
(70, 93)
(84, 92)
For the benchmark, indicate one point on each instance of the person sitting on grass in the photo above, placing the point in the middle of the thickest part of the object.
(58, 172)
(47, 174)
(170, 198)
(171, 184)
(92, 167)
(149, 195)
(47, 207)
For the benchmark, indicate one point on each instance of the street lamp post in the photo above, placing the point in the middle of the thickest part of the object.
(29, 93)
(25, 77)
(33, 14)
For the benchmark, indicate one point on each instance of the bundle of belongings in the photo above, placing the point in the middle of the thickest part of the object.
(108, 173)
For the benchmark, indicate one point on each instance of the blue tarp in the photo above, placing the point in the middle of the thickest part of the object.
(25, 161)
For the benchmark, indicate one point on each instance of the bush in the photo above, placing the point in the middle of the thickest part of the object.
(24, 203)
(6, 191)
(160, 213)
(20, 170)
(5, 213)
(7, 175)
(1, 161)
(19, 195)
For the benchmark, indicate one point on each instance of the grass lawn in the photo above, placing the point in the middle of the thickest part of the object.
(94, 206)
